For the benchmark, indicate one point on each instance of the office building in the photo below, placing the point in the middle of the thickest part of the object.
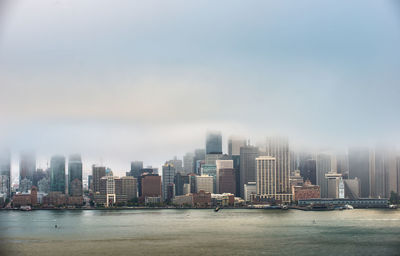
(27, 167)
(226, 165)
(129, 187)
(168, 177)
(323, 167)
(151, 185)
(361, 166)
(136, 167)
(188, 166)
(204, 183)
(250, 189)
(352, 188)
(199, 157)
(308, 170)
(248, 174)
(306, 191)
(334, 185)
(57, 174)
(75, 175)
(97, 173)
(214, 142)
(234, 145)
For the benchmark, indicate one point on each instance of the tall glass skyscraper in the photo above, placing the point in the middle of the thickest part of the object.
(75, 175)
(214, 142)
(57, 174)
(27, 167)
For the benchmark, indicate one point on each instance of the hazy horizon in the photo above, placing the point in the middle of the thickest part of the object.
(146, 80)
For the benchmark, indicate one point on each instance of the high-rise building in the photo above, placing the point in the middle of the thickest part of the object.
(151, 185)
(168, 177)
(361, 167)
(97, 173)
(180, 181)
(226, 181)
(308, 170)
(352, 188)
(398, 174)
(129, 187)
(199, 155)
(214, 142)
(188, 159)
(57, 174)
(234, 145)
(5, 173)
(222, 165)
(323, 166)
(278, 147)
(385, 178)
(136, 167)
(205, 183)
(248, 174)
(75, 175)
(268, 179)
(27, 167)
(177, 164)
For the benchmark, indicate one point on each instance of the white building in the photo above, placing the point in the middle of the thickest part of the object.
(205, 182)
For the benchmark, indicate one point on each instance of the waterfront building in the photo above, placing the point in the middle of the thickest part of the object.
(295, 179)
(205, 183)
(356, 203)
(183, 200)
(27, 166)
(57, 174)
(223, 199)
(97, 172)
(248, 155)
(26, 198)
(202, 199)
(385, 172)
(269, 187)
(250, 189)
(214, 142)
(352, 188)
(168, 177)
(306, 191)
(75, 176)
(334, 185)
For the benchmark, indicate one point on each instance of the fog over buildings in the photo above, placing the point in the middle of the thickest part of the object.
(146, 80)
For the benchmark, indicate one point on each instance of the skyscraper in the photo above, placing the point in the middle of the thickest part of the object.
(278, 147)
(214, 142)
(234, 145)
(308, 170)
(360, 167)
(97, 173)
(199, 155)
(324, 166)
(248, 156)
(75, 175)
(222, 165)
(136, 167)
(168, 176)
(188, 159)
(5, 173)
(27, 167)
(57, 174)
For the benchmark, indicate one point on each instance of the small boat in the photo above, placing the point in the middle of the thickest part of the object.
(217, 209)
(25, 208)
(348, 207)
(392, 206)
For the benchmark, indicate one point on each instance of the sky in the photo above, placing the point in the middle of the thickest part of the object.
(144, 80)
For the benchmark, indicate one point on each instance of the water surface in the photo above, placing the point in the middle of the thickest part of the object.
(200, 232)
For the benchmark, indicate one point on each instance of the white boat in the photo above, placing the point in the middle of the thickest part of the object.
(392, 206)
(348, 207)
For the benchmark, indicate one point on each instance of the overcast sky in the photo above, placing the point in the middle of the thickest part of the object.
(144, 80)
